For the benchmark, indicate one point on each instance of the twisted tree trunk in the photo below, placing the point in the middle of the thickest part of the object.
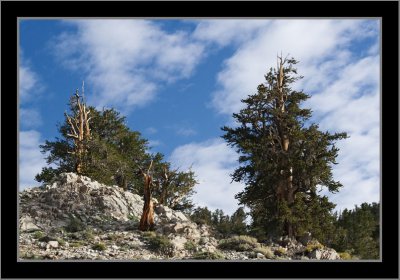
(79, 132)
(147, 219)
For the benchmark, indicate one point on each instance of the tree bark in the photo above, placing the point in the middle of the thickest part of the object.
(147, 219)
(79, 132)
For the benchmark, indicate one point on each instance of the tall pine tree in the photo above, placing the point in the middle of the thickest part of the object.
(283, 159)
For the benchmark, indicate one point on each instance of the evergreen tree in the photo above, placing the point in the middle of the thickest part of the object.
(174, 187)
(238, 222)
(283, 160)
(201, 215)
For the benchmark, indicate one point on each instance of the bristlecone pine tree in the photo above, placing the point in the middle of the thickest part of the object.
(284, 160)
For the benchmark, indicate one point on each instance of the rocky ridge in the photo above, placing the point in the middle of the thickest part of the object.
(77, 218)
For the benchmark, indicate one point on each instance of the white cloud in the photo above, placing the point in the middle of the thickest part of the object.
(29, 118)
(27, 80)
(227, 31)
(30, 87)
(213, 162)
(154, 143)
(126, 60)
(31, 160)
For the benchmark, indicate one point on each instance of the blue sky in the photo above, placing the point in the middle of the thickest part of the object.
(179, 81)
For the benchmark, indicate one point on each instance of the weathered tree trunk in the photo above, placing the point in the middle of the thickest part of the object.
(79, 132)
(164, 187)
(147, 219)
(285, 190)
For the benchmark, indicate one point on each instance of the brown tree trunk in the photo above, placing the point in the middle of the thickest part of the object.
(147, 219)
(285, 189)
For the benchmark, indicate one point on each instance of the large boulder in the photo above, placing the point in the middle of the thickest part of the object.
(26, 224)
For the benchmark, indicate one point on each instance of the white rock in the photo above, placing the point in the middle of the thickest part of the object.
(260, 256)
(53, 244)
(27, 224)
(179, 242)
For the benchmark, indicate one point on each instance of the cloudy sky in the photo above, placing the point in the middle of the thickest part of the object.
(179, 81)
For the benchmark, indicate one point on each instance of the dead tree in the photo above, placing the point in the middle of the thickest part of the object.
(147, 219)
(79, 130)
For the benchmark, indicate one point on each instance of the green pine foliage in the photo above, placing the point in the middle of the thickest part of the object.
(358, 231)
(276, 207)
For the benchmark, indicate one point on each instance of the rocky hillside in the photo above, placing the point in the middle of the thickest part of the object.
(77, 218)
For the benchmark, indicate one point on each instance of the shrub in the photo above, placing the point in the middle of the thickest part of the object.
(76, 244)
(74, 225)
(208, 256)
(280, 251)
(160, 244)
(313, 245)
(38, 234)
(266, 251)
(190, 246)
(239, 243)
(88, 234)
(345, 256)
(61, 241)
(99, 246)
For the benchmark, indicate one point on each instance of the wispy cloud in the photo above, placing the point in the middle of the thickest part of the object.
(186, 131)
(151, 130)
(212, 161)
(31, 159)
(29, 118)
(126, 60)
(224, 32)
(154, 143)
(30, 87)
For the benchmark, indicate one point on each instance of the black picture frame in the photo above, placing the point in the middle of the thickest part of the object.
(386, 268)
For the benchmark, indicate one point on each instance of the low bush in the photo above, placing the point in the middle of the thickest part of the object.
(99, 246)
(313, 245)
(190, 246)
(280, 251)
(345, 256)
(38, 234)
(74, 225)
(238, 243)
(266, 251)
(208, 256)
(88, 234)
(160, 243)
(76, 244)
